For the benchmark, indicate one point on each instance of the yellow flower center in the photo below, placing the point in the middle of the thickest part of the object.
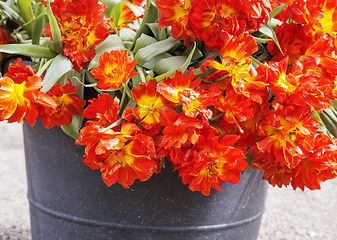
(285, 84)
(292, 135)
(327, 21)
(148, 109)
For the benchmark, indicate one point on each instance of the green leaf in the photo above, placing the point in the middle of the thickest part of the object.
(330, 121)
(273, 23)
(277, 10)
(261, 40)
(26, 12)
(269, 31)
(159, 33)
(127, 35)
(11, 13)
(136, 80)
(145, 54)
(315, 114)
(72, 75)
(163, 34)
(116, 12)
(43, 67)
(142, 42)
(55, 30)
(60, 66)
(111, 4)
(151, 15)
(40, 22)
(323, 124)
(38, 30)
(169, 64)
(37, 51)
(92, 80)
(197, 53)
(154, 29)
(128, 44)
(74, 127)
(182, 68)
(113, 42)
(331, 114)
(150, 64)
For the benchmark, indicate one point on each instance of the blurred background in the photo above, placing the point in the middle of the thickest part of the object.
(289, 215)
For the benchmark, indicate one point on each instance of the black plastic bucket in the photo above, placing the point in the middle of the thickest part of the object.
(69, 201)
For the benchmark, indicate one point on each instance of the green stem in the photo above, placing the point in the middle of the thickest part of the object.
(122, 101)
(92, 80)
(141, 73)
(220, 79)
(41, 63)
(118, 122)
(115, 29)
(217, 117)
(29, 22)
(128, 92)
(85, 85)
(43, 66)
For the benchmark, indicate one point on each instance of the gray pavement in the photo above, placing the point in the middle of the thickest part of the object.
(290, 215)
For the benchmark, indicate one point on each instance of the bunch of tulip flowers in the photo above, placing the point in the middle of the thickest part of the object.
(210, 86)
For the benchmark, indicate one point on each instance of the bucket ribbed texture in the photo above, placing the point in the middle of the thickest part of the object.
(68, 200)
